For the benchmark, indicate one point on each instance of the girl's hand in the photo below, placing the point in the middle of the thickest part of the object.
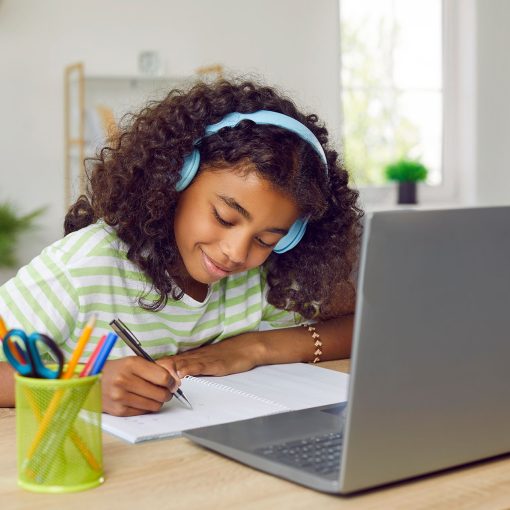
(133, 386)
(227, 357)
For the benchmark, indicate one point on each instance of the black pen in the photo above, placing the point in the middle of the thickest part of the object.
(134, 344)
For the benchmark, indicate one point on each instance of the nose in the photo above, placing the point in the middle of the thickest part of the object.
(236, 248)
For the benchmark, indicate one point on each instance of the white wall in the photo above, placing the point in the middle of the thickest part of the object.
(493, 97)
(291, 43)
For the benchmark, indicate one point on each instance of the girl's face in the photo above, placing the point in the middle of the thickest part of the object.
(226, 223)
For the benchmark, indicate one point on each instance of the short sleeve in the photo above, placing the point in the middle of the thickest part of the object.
(41, 297)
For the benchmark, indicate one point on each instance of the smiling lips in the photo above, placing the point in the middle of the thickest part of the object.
(213, 268)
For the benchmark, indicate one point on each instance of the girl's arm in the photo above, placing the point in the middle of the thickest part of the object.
(248, 350)
(6, 385)
(131, 386)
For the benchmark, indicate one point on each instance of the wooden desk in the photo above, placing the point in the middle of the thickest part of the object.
(176, 474)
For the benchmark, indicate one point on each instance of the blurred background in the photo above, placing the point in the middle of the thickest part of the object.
(418, 80)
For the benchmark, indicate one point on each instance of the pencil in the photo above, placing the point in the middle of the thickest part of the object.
(80, 345)
(88, 366)
(57, 397)
(75, 437)
(3, 328)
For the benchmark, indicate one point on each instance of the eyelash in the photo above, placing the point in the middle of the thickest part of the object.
(227, 224)
(220, 220)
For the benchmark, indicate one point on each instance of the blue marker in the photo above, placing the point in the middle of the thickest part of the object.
(104, 353)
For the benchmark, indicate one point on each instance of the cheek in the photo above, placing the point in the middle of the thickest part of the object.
(201, 230)
(257, 257)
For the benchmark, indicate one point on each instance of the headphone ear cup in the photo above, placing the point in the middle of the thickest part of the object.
(293, 236)
(189, 169)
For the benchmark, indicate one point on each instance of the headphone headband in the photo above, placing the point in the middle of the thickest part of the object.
(274, 119)
(262, 117)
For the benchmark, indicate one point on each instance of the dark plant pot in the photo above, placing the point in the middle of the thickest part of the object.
(407, 192)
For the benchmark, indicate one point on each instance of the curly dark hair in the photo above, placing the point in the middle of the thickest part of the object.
(131, 186)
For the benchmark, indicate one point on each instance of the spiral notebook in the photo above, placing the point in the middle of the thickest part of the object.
(259, 392)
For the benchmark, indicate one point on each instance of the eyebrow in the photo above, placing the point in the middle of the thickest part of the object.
(234, 204)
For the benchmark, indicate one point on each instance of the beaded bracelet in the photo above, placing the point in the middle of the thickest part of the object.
(317, 342)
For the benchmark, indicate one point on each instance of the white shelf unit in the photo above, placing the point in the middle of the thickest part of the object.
(94, 104)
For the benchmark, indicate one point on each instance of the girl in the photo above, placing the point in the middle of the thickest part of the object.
(216, 222)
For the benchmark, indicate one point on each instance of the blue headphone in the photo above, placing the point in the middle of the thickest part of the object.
(192, 161)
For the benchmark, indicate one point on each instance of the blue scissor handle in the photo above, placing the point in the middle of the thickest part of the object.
(33, 365)
(8, 346)
(41, 369)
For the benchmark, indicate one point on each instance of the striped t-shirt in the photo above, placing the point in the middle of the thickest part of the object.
(87, 272)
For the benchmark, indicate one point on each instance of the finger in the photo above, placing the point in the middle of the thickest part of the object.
(188, 366)
(123, 410)
(168, 364)
(123, 384)
(151, 372)
(195, 366)
(120, 401)
(142, 403)
(176, 380)
(145, 389)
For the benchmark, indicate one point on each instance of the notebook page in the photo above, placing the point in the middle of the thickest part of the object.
(261, 391)
(212, 404)
(293, 385)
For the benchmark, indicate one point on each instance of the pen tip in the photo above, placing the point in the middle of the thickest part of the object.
(182, 399)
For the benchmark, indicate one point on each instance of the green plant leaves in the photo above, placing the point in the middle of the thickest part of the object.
(11, 226)
(406, 170)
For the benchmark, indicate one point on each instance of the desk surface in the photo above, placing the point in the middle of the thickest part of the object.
(175, 473)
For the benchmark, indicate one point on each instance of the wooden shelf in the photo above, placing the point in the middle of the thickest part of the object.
(94, 105)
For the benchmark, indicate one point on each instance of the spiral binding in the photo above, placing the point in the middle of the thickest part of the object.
(224, 387)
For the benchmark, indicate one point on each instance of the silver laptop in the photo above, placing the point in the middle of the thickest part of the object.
(430, 373)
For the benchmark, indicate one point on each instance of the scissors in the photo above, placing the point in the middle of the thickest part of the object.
(28, 346)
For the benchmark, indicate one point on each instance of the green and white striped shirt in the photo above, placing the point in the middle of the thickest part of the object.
(87, 272)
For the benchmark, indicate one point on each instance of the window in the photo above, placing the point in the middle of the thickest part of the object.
(392, 86)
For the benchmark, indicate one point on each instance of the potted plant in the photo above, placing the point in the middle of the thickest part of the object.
(407, 173)
(11, 226)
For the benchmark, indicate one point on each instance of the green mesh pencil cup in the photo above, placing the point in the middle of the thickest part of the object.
(58, 433)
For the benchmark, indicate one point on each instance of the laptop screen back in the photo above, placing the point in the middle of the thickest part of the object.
(430, 379)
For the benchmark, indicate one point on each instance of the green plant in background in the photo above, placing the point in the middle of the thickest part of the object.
(11, 226)
(406, 170)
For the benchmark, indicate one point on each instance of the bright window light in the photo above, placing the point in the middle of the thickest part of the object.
(392, 90)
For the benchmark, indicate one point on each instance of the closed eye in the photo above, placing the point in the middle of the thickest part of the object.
(228, 224)
(265, 245)
(220, 220)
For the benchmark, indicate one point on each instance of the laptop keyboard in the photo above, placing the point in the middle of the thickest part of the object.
(316, 454)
